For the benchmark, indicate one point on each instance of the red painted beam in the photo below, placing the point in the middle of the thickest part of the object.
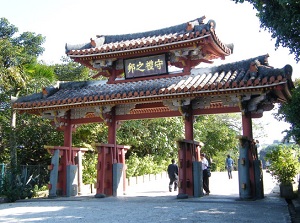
(157, 114)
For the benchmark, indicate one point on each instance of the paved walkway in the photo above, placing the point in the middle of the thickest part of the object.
(152, 202)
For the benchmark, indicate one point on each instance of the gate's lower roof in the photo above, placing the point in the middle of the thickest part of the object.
(251, 81)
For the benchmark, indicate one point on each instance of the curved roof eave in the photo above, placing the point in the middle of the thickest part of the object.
(108, 45)
(151, 98)
(252, 75)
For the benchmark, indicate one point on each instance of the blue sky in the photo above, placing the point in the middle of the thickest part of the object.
(76, 21)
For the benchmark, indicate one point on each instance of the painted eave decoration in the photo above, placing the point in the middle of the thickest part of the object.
(251, 85)
(195, 41)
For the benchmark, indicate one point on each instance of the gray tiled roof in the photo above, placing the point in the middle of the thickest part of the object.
(105, 44)
(239, 76)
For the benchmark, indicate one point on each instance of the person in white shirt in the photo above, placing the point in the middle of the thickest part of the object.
(205, 165)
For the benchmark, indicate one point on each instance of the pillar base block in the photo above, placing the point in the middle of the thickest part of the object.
(182, 196)
(100, 196)
(52, 196)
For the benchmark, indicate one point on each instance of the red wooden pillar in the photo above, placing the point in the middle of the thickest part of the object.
(112, 131)
(104, 170)
(247, 131)
(62, 176)
(188, 124)
(68, 143)
(66, 158)
(61, 185)
(187, 154)
(107, 155)
(247, 125)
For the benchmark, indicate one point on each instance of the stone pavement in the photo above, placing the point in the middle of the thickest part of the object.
(151, 202)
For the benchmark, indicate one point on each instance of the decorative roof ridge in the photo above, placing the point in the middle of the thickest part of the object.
(81, 84)
(107, 46)
(259, 60)
(179, 29)
(60, 85)
(195, 25)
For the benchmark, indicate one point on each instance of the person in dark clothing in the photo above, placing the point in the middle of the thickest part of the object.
(173, 175)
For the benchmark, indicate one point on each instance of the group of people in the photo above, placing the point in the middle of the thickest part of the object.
(173, 172)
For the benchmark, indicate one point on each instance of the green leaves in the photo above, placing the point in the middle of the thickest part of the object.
(71, 71)
(289, 112)
(217, 133)
(30, 43)
(283, 163)
(282, 19)
(151, 136)
(16, 54)
(7, 30)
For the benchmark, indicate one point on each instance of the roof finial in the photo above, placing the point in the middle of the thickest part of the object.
(93, 43)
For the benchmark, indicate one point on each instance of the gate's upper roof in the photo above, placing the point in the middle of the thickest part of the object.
(194, 39)
(225, 85)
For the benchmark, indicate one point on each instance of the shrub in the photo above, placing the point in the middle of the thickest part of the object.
(138, 166)
(10, 189)
(284, 163)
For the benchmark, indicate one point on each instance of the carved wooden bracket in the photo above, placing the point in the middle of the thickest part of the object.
(124, 109)
(56, 116)
(181, 105)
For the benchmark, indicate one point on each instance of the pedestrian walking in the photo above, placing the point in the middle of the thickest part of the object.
(173, 175)
(229, 166)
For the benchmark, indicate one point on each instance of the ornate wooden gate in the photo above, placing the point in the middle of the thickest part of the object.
(140, 85)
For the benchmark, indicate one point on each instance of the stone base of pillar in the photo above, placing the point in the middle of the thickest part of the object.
(182, 196)
(100, 196)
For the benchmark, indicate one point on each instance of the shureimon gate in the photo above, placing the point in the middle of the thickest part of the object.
(140, 84)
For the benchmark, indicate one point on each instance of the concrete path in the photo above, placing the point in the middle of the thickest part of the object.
(151, 202)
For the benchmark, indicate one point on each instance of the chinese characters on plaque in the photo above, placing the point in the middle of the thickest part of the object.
(145, 66)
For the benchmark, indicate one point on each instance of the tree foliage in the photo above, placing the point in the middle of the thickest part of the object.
(152, 144)
(289, 112)
(216, 132)
(282, 19)
(151, 136)
(16, 53)
(22, 49)
(86, 135)
(21, 74)
(284, 163)
(33, 133)
(69, 70)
